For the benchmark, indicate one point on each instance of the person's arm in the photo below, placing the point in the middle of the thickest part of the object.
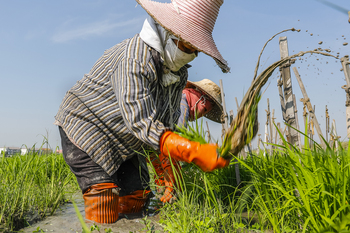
(184, 117)
(131, 83)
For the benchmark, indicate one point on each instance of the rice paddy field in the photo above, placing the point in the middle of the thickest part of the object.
(32, 187)
(285, 190)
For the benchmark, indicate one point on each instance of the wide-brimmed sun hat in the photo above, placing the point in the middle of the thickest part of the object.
(213, 91)
(190, 20)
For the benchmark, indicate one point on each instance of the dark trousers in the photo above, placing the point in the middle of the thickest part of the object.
(88, 173)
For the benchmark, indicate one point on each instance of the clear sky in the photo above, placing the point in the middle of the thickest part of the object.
(46, 46)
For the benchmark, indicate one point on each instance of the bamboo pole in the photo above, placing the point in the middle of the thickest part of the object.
(309, 107)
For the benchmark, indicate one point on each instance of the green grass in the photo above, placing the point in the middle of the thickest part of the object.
(288, 190)
(32, 184)
(303, 190)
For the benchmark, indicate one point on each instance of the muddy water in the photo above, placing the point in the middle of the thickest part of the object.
(66, 220)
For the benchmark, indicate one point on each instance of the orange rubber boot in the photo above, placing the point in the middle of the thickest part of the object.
(205, 156)
(101, 203)
(134, 202)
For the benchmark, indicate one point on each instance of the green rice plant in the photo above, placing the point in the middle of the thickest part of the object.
(192, 132)
(211, 196)
(32, 184)
(302, 190)
(197, 210)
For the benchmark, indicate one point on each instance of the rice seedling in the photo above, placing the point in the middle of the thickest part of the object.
(302, 190)
(32, 185)
(211, 196)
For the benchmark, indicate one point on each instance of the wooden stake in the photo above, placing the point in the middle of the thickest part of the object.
(311, 131)
(304, 112)
(283, 105)
(284, 132)
(327, 124)
(334, 135)
(288, 92)
(268, 122)
(346, 69)
(231, 116)
(278, 137)
(309, 107)
(297, 120)
(274, 131)
(266, 139)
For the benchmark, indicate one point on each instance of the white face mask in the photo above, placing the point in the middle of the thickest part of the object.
(175, 58)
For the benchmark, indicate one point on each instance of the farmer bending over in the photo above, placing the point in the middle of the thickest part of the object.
(130, 100)
(199, 99)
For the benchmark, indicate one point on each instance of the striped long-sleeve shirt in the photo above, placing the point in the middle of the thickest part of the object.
(120, 106)
(185, 112)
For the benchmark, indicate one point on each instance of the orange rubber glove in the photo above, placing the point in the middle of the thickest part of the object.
(171, 175)
(169, 193)
(171, 168)
(205, 156)
(165, 178)
(159, 177)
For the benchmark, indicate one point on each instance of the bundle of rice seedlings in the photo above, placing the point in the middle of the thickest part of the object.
(244, 126)
(193, 133)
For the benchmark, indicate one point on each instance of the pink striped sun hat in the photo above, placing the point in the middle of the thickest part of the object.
(190, 20)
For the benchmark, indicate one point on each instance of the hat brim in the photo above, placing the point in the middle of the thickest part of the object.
(202, 40)
(216, 113)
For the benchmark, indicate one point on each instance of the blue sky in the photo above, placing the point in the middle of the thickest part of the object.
(46, 46)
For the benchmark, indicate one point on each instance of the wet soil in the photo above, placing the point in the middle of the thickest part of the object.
(66, 220)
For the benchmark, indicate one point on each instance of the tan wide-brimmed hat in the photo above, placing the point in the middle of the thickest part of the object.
(213, 91)
(190, 20)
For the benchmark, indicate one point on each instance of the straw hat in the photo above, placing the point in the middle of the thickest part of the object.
(192, 21)
(213, 91)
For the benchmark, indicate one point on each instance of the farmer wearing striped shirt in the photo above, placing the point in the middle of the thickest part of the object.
(129, 101)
